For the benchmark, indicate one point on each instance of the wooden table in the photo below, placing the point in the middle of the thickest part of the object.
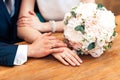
(106, 67)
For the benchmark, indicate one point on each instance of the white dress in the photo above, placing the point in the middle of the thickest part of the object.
(55, 9)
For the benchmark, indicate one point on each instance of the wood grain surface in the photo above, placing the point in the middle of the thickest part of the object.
(106, 67)
(113, 5)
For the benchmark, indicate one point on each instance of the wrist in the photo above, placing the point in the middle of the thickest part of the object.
(43, 27)
(53, 25)
(30, 51)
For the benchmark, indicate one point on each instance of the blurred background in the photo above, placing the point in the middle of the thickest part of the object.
(113, 5)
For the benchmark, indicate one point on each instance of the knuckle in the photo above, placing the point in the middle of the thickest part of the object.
(46, 52)
(74, 54)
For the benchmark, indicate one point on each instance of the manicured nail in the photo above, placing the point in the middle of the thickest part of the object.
(66, 64)
(73, 64)
(78, 64)
(81, 61)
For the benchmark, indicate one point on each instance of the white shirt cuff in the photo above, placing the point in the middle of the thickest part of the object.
(21, 55)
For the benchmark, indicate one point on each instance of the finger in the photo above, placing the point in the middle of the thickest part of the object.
(56, 44)
(51, 38)
(73, 59)
(55, 50)
(76, 56)
(77, 46)
(61, 60)
(31, 13)
(69, 60)
(27, 16)
(24, 22)
(57, 40)
(23, 25)
(47, 34)
(24, 19)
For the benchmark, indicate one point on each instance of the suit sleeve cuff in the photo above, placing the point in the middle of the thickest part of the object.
(21, 55)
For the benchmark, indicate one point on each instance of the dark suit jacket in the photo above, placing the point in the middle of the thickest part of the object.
(8, 34)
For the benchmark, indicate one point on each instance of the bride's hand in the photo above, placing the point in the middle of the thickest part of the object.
(68, 57)
(30, 21)
(74, 45)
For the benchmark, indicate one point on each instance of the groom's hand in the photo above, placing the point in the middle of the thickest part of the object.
(45, 45)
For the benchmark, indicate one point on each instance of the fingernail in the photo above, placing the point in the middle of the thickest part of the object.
(78, 64)
(81, 61)
(74, 64)
(67, 64)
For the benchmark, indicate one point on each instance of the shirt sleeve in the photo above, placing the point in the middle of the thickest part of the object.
(21, 55)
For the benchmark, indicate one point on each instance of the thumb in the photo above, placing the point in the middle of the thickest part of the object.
(32, 13)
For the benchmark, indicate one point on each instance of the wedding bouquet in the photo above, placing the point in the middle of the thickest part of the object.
(90, 28)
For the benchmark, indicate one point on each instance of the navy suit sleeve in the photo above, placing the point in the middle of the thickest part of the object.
(7, 54)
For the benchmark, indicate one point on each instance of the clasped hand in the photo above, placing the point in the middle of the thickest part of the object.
(47, 44)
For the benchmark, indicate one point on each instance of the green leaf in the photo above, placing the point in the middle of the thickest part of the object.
(73, 13)
(66, 22)
(84, 40)
(114, 33)
(108, 46)
(79, 51)
(99, 5)
(80, 28)
(74, 8)
(91, 46)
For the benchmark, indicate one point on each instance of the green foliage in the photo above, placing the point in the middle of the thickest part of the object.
(80, 28)
(84, 40)
(99, 6)
(74, 8)
(73, 13)
(66, 22)
(114, 33)
(91, 46)
(79, 51)
(108, 46)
